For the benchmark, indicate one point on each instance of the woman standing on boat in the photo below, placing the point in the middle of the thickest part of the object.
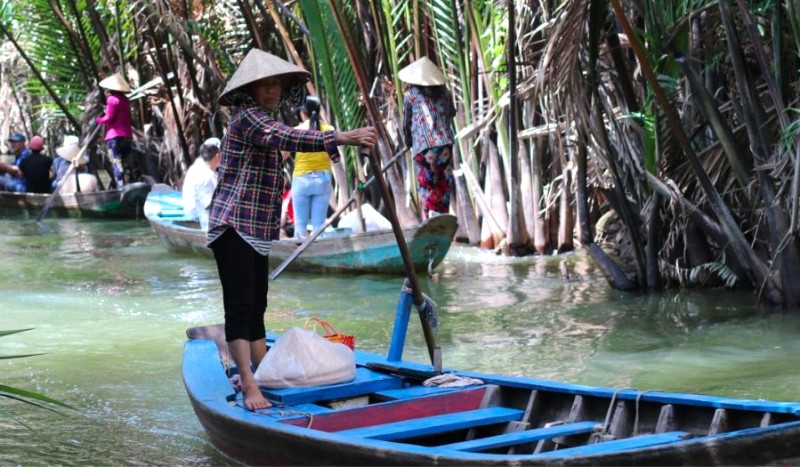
(311, 180)
(246, 209)
(119, 128)
(428, 130)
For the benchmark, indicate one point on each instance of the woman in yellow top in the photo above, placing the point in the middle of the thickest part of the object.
(311, 180)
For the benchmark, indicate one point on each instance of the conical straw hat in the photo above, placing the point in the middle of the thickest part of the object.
(258, 65)
(422, 72)
(116, 82)
(69, 149)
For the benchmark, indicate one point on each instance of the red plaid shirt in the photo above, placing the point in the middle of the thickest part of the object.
(248, 194)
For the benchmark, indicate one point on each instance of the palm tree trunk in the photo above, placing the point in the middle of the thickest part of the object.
(759, 273)
(466, 214)
(614, 275)
(494, 186)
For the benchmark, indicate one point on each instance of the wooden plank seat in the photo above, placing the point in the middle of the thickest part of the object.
(521, 437)
(637, 442)
(365, 382)
(437, 424)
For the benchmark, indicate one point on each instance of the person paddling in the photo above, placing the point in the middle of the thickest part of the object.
(246, 208)
(119, 128)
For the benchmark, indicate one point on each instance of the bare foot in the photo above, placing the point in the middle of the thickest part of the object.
(253, 399)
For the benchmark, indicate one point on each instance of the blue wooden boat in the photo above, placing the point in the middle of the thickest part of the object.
(386, 416)
(369, 252)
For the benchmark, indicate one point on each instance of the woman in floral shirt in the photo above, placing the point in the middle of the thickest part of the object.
(246, 209)
(427, 126)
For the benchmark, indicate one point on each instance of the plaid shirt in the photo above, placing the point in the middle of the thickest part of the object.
(426, 120)
(248, 194)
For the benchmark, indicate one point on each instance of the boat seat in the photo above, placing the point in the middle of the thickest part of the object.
(171, 213)
(436, 424)
(624, 444)
(521, 437)
(365, 382)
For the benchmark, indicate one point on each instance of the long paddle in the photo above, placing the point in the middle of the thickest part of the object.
(72, 165)
(316, 233)
(424, 307)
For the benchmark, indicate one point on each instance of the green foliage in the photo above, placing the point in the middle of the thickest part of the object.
(341, 91)
(22, 395)
(719, 269)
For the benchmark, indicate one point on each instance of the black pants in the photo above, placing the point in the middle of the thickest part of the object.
(243, 273)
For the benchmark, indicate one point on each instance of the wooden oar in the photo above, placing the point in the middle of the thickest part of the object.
(422, 306)
(72, 165)
(316, 233)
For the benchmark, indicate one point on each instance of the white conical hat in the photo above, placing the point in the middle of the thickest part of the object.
(116, 82)
(70, 148)
(258, 65)
(422, 72)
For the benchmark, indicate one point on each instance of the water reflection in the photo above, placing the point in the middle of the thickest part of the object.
(110, 307)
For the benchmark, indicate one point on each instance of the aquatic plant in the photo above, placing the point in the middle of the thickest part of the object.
(22, 395)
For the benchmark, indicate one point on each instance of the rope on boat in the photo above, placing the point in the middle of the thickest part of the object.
(431, 251)
(289, 413)
(427, 308)
(601, 431)
(275, 412)
(450, 380)
(636, 417)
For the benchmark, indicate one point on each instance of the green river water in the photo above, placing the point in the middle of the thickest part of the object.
(109, 307)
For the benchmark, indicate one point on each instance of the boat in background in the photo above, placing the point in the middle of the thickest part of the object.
(119, 204)
(336, 251)
(389, 415)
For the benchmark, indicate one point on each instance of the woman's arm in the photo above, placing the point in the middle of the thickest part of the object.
(110, 112)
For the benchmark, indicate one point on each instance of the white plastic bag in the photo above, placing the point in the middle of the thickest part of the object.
(372, 218)
(301, 357)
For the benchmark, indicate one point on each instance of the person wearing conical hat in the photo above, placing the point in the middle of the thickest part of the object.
(246, 208)
(428, 130)
(69, 154)
(119, 128)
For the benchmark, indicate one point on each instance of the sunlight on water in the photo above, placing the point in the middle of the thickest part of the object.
(109, 308)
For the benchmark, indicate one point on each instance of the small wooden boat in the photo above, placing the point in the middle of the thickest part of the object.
(126, 204)
(387, 416)
(337, 251)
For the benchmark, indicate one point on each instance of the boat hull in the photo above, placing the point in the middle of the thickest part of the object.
(101, 204)
(370, 252)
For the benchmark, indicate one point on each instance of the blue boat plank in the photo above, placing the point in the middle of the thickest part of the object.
(521, 437)
(437, 424)
(365, 382)
(638, 442)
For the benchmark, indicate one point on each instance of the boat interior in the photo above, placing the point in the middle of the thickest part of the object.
(388, 402)
(503, 419)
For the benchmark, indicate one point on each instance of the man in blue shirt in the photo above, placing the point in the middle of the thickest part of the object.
(12, 179)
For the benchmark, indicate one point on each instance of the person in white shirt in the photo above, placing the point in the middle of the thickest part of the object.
(200, 182)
